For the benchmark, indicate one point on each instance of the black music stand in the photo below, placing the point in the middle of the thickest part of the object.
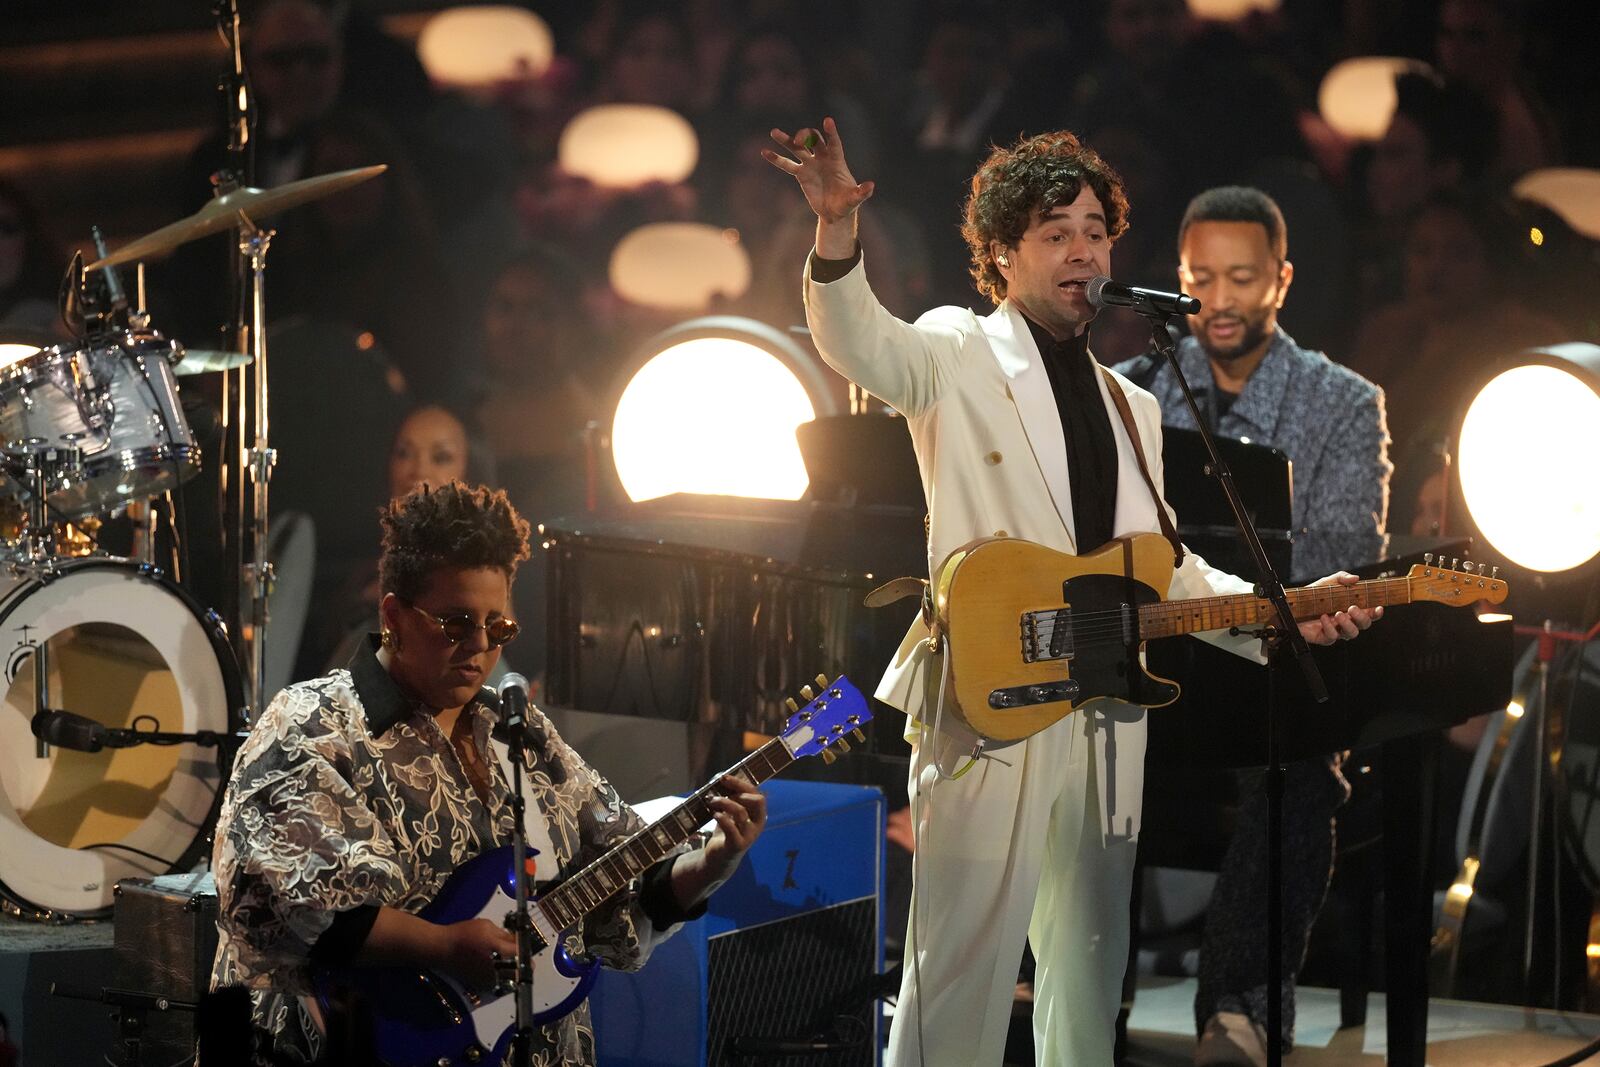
(1265, 479)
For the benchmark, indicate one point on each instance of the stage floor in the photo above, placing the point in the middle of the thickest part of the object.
(1460, 1034)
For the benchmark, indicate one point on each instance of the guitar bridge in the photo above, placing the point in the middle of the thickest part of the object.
(1047, 635)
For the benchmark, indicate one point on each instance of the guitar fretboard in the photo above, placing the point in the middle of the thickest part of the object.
(1170, 618)
(606, 876)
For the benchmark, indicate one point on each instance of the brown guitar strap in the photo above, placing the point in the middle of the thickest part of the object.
(1167, 531)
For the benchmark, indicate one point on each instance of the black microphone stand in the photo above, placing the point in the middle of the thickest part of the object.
(1268, 587)
(520, 921)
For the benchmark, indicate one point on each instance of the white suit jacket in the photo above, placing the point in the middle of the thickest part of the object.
(993, 460)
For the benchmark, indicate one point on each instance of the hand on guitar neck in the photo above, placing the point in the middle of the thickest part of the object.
(1340, 625)
(740, 815)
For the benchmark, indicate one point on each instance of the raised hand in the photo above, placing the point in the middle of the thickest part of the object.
(819, 166)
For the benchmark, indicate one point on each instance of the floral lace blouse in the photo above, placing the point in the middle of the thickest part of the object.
(346, 795)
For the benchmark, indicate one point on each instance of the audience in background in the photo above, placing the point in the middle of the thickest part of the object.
(31, 268)
(1459, 310)
(1480, 43)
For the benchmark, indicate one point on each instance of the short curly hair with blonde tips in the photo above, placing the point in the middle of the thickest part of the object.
(1017, 184)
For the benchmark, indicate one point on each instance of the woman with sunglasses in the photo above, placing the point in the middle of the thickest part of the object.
(358, 794)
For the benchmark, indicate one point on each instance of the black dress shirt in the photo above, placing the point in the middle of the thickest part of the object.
(1086, 425)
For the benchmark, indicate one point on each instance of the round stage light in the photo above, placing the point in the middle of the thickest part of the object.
(679, 266)
(1230, 10)
(1357, 97)
(623, 145)
(713, 409)
(1571, 192)
(1525, 441)
(13, 353)
(480, 46)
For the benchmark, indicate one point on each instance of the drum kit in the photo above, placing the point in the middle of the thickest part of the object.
(88, 430)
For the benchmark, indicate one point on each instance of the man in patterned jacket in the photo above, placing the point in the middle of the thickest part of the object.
(1253, 381)
(359, 793)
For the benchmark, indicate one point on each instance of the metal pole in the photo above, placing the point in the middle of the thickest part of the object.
(1536, 723)
(253, 243)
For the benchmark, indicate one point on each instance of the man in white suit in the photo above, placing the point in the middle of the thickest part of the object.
(1016, 435)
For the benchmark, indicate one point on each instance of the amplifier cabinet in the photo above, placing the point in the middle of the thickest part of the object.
(787, 955)
(165, 938)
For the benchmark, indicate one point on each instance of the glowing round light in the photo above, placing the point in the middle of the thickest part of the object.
(679, 266)
(1357, 97)
(1571, 192)
(717, 414)
(15, 353)
(470, 46)
(1230, 10)
(624, 145)
(1520, 440)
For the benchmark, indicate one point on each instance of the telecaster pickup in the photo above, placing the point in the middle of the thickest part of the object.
(1047, 634)
(1022, 696)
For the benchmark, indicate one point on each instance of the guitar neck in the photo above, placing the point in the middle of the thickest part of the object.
(1170, 618)
(605, 877)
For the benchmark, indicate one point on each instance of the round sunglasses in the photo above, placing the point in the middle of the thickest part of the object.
(459, 626)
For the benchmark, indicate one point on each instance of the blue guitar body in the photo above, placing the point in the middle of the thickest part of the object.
(426, 1018)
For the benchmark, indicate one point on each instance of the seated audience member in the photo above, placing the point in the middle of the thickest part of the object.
(1459, 311)
(359, 793)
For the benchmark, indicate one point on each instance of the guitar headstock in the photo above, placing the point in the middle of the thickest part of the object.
(1457, 585)
(834, 711)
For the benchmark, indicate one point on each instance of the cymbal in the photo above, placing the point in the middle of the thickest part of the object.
(204, 361)
(223, 213)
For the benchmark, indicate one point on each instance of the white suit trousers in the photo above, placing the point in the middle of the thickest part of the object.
(1008, 855)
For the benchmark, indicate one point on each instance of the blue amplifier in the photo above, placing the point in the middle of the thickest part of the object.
(785, 962)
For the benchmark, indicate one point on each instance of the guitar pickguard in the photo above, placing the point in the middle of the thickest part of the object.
(1104, 621)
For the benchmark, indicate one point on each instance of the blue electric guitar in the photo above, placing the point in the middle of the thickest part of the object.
(425, 1018)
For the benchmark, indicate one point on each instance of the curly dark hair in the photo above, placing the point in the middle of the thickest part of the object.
(453, 525)
(1015, 184)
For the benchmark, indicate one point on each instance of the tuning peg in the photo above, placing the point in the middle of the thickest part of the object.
(828, 756)
(822, 681)
(858, 735)
(791, 705)
(1455, 563)
(807, 692)
(1496, 573)
(1427, 558)
(842, 744)
(1467, 566)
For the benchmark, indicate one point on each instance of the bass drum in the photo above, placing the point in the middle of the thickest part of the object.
(122, 643)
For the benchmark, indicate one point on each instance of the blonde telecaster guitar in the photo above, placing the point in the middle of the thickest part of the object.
(1034, 634)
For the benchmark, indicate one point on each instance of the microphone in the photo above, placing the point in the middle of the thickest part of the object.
(65, 729)
(514, 728)
(513, 698)
(1103, 292)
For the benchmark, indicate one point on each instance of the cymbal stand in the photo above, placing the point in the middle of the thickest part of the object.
(258, 460)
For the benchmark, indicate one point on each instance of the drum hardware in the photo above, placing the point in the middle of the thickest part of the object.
(131, 1005)
(243, 208)
(80, 733)
(205, 361)
(232, 207)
